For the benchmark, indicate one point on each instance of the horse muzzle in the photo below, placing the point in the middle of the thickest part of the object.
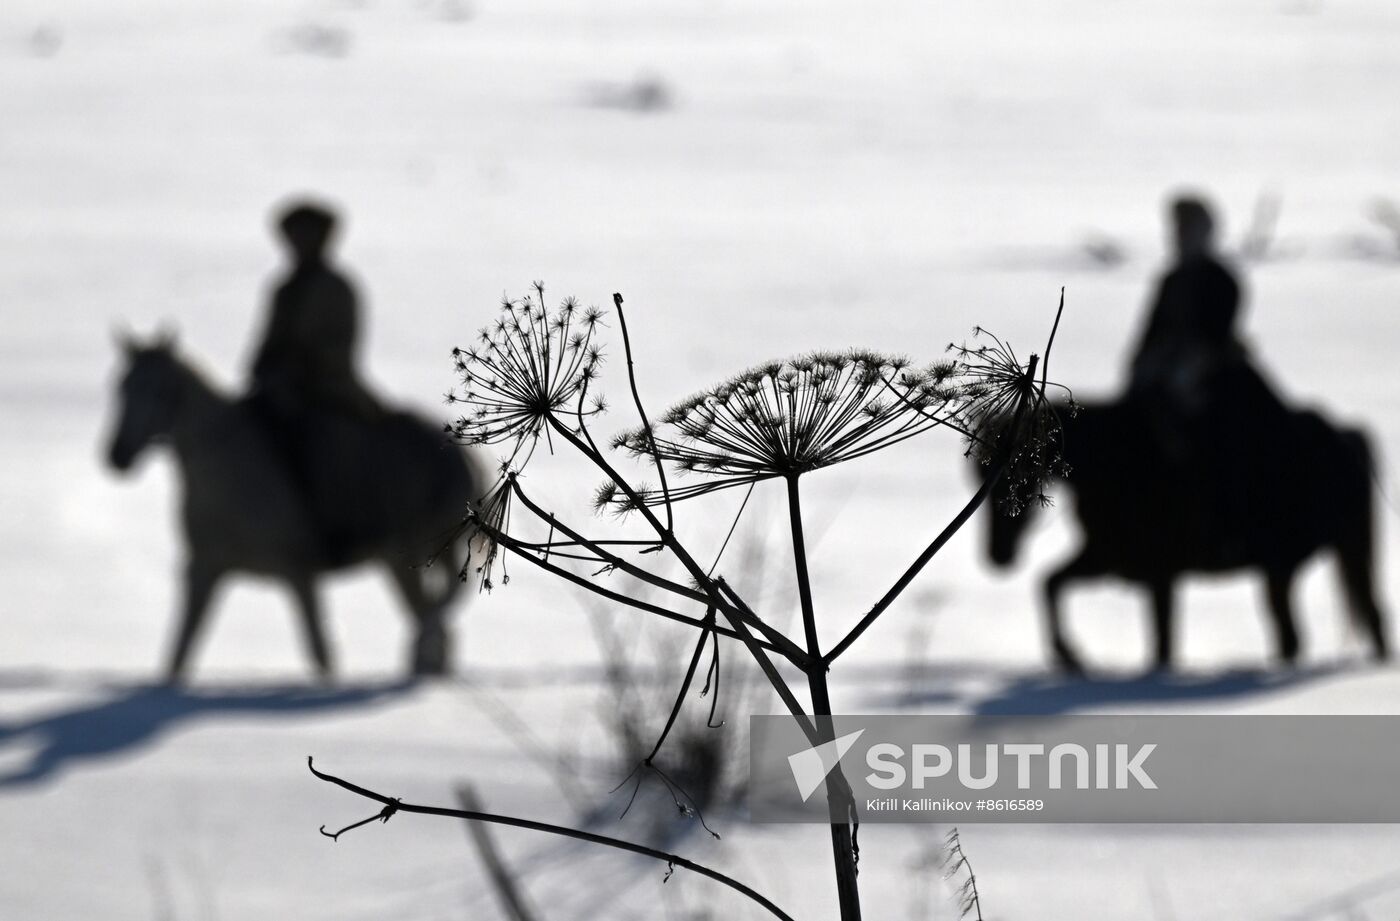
(1003, 540)
(121, 456)
(1001, 556)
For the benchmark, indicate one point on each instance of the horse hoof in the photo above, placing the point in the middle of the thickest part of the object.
(1068, 663)
(430, 668)
(430, 655)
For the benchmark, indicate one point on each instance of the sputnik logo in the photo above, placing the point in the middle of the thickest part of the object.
(811, 765)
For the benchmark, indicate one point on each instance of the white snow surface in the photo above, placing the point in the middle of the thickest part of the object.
(822, 174)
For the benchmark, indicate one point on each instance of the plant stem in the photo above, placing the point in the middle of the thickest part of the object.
(804, 581)
(943, 537)
(838, 791)
(637, 399)
(838, 804)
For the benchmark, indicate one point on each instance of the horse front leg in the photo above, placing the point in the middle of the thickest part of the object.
(1279, 584)
(200, 581)
(313, 631)
(1079, 567)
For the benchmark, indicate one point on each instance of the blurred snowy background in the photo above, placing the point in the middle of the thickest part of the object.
(757, 179)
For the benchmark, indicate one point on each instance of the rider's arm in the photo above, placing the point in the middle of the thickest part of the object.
(276, 339)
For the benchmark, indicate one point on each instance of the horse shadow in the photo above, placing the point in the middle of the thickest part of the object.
(1053, 694)
(134, 716)
(982, 690)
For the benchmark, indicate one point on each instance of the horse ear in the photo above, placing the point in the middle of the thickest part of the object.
(122, 336)
(166, 336)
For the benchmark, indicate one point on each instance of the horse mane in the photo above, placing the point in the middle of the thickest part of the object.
(193, 373)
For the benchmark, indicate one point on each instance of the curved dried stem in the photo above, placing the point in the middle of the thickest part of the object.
(642, 413)
(533, 556)
(611, 559)
(393, 806)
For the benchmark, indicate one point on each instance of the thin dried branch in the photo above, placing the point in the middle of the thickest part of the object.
(917, 566)
(538, 553)
(603, 556)
(770, 671)
(394, 806)
(642, 413)
(535, 558)
(684, 689)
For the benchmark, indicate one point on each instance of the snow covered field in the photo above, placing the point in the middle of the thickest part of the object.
(757, 179)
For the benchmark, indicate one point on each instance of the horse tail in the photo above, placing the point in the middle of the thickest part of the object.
(432, 515)
(1356, 550)
(469, 544)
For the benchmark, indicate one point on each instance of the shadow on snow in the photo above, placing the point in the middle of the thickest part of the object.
(132, 716)
(993, 692)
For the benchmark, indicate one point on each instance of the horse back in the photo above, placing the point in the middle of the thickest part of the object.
(392, 487)
(1299, 484)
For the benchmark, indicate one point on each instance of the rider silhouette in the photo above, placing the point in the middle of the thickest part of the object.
(1191, 330)
(304, 382)
(307, 357)
(1214, 416)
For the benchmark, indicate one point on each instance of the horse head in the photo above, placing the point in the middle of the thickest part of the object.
(1009, 515)
(149, 395)
(1025, 460)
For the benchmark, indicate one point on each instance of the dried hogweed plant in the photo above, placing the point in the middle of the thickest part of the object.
(956, 866)
(533, 376)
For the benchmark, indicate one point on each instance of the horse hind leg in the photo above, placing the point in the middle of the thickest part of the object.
(1356, 551)
(1163, 622)
(446, 569)
(431, 649)
(1358, 581)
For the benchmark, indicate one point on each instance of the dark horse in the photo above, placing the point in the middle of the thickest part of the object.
(1149, 518)
(244, 511)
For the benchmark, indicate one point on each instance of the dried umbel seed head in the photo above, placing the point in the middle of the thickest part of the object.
(488, 517)
(786, 418)
(527, 368)
(1009, 422)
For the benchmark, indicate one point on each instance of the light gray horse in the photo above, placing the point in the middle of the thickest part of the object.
(244, 511)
